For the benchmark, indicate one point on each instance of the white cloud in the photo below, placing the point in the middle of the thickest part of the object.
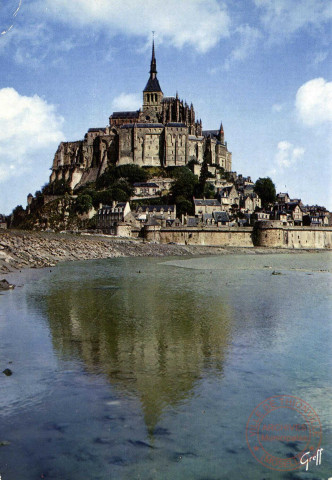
(320, 57)
(127, 101)
(314, 102)
(248, 39)
(287, 155)
(31, 43)
(277, 107)
(27, 126)
(285, 17)
(197, 23)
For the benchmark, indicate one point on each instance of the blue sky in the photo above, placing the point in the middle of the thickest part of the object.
(262, 67)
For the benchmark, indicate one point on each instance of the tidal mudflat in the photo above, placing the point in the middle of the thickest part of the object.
(149, 368)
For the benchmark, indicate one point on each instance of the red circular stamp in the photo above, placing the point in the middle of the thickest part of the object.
(284, 433)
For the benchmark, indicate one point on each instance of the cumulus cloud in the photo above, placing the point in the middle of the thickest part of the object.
(314, 102)
(127, 101)
(248, 38)
(287, 154)
(197, 23)
(285, 17)
(27, 126)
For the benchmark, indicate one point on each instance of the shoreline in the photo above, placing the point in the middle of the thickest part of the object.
(22, 249)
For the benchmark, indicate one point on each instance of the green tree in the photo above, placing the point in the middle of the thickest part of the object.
(184, 184)
(107, 178)
(209, 191)
(130, 173)
(58, 187)
(183, 206)
(18, 216)
(266, 190)
(204, 175)
(83, 203)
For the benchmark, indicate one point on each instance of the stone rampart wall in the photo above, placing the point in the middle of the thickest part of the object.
(232, 237)
(261, 236)
(294, 237)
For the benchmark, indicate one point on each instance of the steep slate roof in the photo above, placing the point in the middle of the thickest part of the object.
(97, 129)
(221, 216)
(175, 124)
(212, 133)
(157, 208)
(292, 205)
(147, 185)
(152, 85)
(142, 125)
(152, 222)
(192, 222)
(107, 209)
(210, 202)
(125, 114)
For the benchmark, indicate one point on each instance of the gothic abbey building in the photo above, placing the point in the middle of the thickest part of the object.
(164, 132)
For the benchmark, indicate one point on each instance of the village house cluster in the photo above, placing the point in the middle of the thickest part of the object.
(236, 204)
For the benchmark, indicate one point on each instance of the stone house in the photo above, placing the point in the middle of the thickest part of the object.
(3, 223)
(315, 220)
(295, 211)
(283, 198)
(146, 189)
(108, 217)
(159, 212)
(197, 169)
(258, 216)
(248, 203)
(283, 217)
(164, 184)
(206, 206)
(221, 218)
(228, 196)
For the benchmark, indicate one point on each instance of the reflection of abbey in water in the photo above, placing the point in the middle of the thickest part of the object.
(154, 346)
(164, 132)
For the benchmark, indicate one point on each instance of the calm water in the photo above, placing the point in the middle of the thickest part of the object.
(149, 368)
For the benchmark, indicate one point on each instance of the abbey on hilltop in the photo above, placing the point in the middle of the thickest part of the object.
(164, 132)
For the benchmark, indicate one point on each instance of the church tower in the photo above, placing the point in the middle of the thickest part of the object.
(152, 93)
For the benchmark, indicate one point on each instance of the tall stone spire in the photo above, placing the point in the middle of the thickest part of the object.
(221, 134)
(153, 67)
(153, 84)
